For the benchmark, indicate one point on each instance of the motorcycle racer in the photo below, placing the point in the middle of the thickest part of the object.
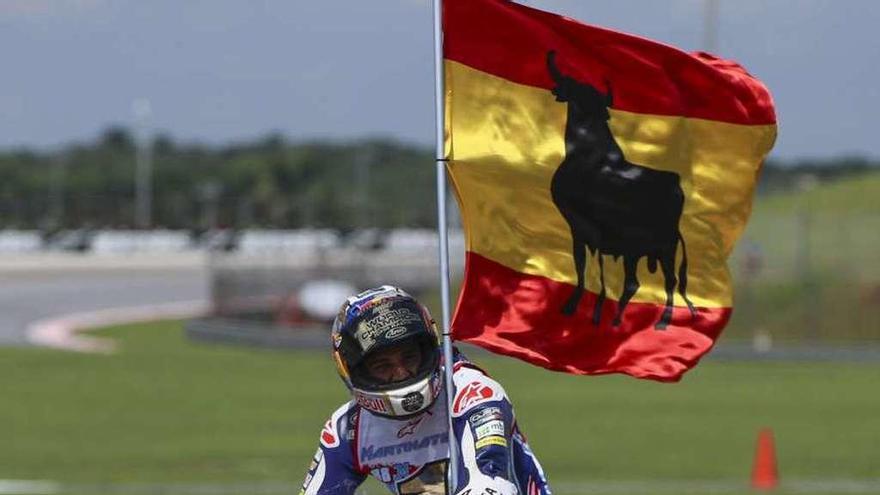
(395, 428)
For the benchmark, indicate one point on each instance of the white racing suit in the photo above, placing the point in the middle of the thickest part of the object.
(410, 456)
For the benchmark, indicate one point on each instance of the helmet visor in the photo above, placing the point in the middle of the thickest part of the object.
(421, 347)
(385, 325)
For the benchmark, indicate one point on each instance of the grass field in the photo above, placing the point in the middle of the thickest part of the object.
(845, 196)
(833, 228)
(820, 274)
(165, 411)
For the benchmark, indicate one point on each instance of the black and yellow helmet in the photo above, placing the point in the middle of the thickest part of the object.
(376, 319)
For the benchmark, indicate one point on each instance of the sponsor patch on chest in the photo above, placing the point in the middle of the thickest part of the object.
(372, 452)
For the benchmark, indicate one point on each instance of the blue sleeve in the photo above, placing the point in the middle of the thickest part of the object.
(489, 427)
(530, 476)
(488, 438)
(332, 470)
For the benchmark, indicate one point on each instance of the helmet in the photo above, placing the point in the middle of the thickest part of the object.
(376, 319)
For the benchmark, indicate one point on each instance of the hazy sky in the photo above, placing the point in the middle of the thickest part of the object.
(217, 70)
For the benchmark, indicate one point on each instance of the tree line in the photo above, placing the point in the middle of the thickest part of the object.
(267, 183)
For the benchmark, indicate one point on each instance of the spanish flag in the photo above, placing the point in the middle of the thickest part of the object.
(603, 180)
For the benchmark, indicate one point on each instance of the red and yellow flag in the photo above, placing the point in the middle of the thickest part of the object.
(603, 180)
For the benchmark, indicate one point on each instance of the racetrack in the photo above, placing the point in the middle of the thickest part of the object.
(42, 287)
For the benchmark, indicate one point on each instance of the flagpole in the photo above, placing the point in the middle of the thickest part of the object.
(440, 160)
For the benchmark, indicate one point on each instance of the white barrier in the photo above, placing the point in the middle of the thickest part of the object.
(413, 240)
(20, 241)
(291, 241)
(252, 241)
(128, 241)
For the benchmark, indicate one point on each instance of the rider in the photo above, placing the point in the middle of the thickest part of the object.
(395, 428)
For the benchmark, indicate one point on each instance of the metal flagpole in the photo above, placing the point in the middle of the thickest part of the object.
(439, 112)
(710, 26)
(143, 166)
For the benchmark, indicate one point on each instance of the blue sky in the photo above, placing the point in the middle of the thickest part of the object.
(219, 70)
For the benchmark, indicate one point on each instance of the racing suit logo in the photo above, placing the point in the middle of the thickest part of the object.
(410, 427)
(329, 437)
(370, 452)
(473, 393)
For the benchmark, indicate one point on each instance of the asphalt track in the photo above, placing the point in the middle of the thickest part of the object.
(41, 287)
(78, 290)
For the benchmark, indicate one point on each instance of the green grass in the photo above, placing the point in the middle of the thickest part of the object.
(827, 309)
(832, 226)
(820, 277)
(165, 410)
(853, 195)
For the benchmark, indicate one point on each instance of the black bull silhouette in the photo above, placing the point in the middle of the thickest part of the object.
(612, 206)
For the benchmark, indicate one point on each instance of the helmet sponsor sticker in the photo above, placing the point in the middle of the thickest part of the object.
(375, 404)
(472, 394)
(329, 437)
(386, 322)
(359, 303)
(394, 333)
(413, 401)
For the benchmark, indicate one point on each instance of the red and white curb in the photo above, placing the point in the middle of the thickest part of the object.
(64, 332)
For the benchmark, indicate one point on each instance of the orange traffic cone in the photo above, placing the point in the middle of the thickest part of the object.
(764, 473)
